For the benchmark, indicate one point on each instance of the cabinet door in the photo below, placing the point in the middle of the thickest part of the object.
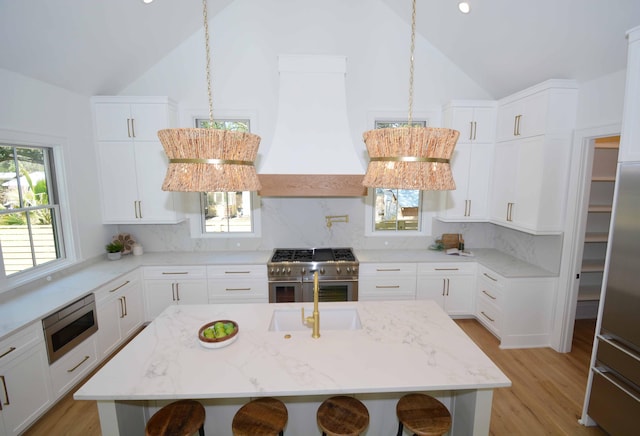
(480, 166)
(432, 288)
(108, 327)
(457, 200)
(192, 292)
(459, 295)
(159, 294)
(132, 303)
(26, 392)
(527, 201)
(484, 128)
(118, 182)
(155, 204)
(113, 121)
(148, 118)
(504, 175)
(462, 120)
(534, 115)
(507, 127)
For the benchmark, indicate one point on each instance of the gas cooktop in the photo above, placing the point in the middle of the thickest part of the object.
(313, 255)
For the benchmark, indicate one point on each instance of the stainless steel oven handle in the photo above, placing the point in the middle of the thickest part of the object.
(614, 382)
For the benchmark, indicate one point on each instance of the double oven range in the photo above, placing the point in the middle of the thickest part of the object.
(291, 272)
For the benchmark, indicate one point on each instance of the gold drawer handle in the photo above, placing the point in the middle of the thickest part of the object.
(487, 316)
(488, 294)
(237, 289)
(489, 277)
(174, 273)
(387, 287)
(10, 350)
(446, 269)
(237, 272)
(6, 394)
(387, 269)
(78, 365)
(124, 284)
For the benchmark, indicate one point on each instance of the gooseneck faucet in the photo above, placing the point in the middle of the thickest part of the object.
(314, 320)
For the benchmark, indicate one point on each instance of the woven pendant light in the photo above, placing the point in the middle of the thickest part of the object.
(207, 160)
(416, 158)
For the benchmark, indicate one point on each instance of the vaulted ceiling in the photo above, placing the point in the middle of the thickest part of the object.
(99, 47)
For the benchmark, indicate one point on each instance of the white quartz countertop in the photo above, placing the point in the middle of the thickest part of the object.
(402, 346)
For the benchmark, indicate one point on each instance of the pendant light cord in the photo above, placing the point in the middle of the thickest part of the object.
(411, 60)
(206, 45)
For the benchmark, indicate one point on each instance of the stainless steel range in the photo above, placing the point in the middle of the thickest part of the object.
(291, 270)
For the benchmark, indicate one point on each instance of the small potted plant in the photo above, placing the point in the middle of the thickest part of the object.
(114, 250)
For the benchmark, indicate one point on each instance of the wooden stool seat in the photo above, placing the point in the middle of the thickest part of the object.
(423, 415)
(180, 418)
(342, 416)
(262, 416)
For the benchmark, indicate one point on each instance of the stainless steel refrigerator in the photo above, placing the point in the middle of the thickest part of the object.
(614, 402)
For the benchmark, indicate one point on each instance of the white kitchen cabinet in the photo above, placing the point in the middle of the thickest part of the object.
(387, 281)
(238, 284)
(530, 169)
(120, 308)
(71, 368)
(516, 310)
(471, 160)
(451, 285)
(25, 386)
(630, 137)
(164, 286)
(131, 161)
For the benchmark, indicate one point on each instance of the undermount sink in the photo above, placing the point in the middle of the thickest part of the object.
(330, 319)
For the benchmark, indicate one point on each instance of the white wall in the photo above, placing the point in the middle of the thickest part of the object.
(30, 107)
(247, 38)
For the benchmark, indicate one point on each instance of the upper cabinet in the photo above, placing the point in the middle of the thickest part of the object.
(531, 159)
(471, 160)
(630, 137)
(131, 161)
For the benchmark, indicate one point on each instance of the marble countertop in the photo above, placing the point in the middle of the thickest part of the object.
(402, 346)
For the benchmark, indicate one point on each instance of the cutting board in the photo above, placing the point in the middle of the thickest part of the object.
(451, 240)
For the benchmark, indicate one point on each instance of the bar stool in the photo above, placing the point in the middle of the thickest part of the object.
(180, 418)
(423, 415)
(262, 416)
(342, 416)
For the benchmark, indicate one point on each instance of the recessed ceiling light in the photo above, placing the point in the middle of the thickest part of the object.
(464, 7)
(146, 2)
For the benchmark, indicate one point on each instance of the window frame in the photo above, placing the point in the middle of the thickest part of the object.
(429, 201)
(63, 222)
(196, 201)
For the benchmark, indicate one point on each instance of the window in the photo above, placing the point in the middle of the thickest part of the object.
(227, 212)
(30, 234)
(397, 209)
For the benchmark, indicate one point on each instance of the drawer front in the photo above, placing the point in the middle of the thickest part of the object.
(175, 272)
(233, 272)
(394, 287)
(606, 390)
(489, 315)
(221, 290)
(19, 342)
(73, 366)
(387, 269)
(490, 276)
(615, 355)
(446, 268)
(116, 287)
(489, 292)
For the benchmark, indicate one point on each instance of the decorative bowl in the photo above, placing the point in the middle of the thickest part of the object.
(218, 342)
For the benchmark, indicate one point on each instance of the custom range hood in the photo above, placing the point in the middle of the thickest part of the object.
(312, 153)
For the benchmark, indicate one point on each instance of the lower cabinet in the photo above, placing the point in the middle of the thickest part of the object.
(71, 368)
(451, 285)
(238, 284)
(165, 286)
(25, 390)
(120, 309)
(387, 281)
(519, 311)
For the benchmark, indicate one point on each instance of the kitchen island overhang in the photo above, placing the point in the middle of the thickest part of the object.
(401, 346)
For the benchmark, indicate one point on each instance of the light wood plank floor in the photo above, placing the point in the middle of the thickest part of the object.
(545, 398)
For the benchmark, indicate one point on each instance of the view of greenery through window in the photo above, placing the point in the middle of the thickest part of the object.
(226, 211)
(28, 210)
(397, 209)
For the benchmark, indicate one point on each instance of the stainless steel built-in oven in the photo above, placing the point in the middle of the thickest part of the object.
(69, 326)
(291, 275)
(330, 290)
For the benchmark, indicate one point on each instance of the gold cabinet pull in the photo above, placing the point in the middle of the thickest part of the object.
(6, 393)
(78, 365)
(487, 316)
(237, 272)
(10, 350)
(129, 127)
(446, 269)
(475, 130)
(133, 127)
(387, 287)
(387, 269)
(470, 130)
(448, 283)
(489, 277)
(488, 294)
(121, 300)
(115, 289)
(237, 289)
(178, 291)
(174, 273)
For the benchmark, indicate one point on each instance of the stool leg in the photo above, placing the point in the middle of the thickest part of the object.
(400, 426)
(201, 430)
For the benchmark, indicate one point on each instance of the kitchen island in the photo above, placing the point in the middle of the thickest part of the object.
(396, 347)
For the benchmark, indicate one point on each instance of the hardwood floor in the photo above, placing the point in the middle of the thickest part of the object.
(545, 398)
